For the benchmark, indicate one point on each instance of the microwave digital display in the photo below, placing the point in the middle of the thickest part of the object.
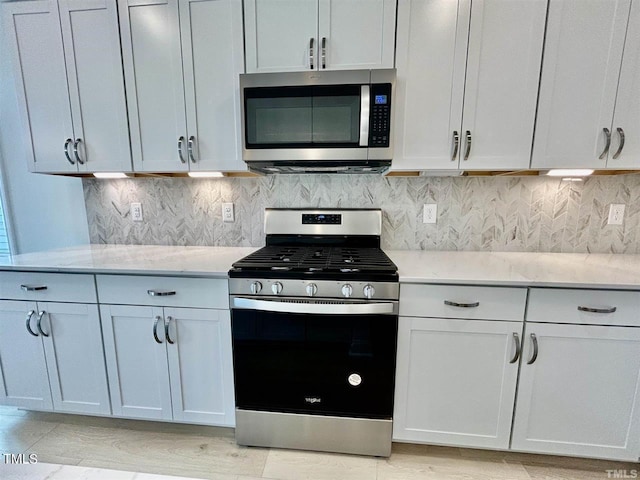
(381, 100)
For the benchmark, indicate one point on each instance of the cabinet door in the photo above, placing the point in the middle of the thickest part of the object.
(430, 57)
(356, 34)
(200, 365)
(155, 92)
(583, 51)
(580, 396)
(74, 334)
(136, 361)
(213, 55)
(96, 86)
(627, 112)
(23, 369)
(455, 383)
(36, 43)
(501, 89)
(281, 36)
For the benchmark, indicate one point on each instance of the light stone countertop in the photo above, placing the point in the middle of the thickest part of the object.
(571, 270)
(578, 270)
(131, 259)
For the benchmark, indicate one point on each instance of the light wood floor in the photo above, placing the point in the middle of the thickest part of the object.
(207, 452)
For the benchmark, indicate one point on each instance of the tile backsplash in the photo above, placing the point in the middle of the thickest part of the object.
(474, 213)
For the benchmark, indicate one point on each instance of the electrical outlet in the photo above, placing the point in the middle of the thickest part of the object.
(227, 212)
(429, 213)
(136, 212)
(616, 214)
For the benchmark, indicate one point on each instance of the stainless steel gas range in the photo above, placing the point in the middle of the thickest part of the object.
(314, 320)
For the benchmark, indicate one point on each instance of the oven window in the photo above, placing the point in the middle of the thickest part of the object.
(295, 117)
(341, 365)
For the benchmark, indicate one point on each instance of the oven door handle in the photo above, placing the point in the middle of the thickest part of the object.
(314, 308)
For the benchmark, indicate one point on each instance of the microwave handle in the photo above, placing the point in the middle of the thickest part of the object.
(365, 99)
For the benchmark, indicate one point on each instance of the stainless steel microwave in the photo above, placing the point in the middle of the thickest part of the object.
(329, 122)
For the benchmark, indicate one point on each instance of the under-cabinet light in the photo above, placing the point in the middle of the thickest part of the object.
(110, 175)
(205, 174)
(569, 172)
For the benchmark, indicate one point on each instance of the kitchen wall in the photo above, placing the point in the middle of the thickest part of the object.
(481, 213)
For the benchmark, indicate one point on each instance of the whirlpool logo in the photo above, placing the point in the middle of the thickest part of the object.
(313, 400)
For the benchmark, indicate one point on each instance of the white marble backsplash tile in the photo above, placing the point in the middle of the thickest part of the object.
(474, 213)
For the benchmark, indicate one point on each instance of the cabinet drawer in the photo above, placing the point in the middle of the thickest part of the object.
(163, 291)
(452, 301)
(50, 287)
(589, 307)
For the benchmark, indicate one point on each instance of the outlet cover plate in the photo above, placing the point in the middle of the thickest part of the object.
(616, 214)
(136, 212)
(227, 212)
(430, 213)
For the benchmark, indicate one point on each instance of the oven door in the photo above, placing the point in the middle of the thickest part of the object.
(298, 356)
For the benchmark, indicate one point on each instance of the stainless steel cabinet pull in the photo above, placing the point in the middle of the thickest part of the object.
(39, 323)
(68, 142)
(534, 340)
(180, 142)
(161, 293)
(166, 330)
(468, 149)
(607, 133)
(456, 145)
(324, 52)
(311, 40)
(516, 340)
(464, 305)
(621, 146)
(192, 139)
(29, 315)
(33, 288)
(155, 329)
(597, 310)
(75, 151)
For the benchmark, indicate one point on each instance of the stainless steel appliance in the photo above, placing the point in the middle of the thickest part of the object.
(314, 319)
(337, 121)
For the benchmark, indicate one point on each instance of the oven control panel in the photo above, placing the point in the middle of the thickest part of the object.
(316, 289)
(321, 219)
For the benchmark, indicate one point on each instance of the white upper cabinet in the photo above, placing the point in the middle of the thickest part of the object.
(625, 145)
(74, 116)
(182, 59)
(467, 83)
(583, 53)
(299, 35)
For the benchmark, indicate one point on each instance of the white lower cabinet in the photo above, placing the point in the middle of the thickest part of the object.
(51, 357)
(169, 363)
(456, 381)
(580, 395)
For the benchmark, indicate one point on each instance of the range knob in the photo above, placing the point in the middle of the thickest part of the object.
(312, 289)
(347, 290)
(368, 291)
(256, 287)
(276, 288)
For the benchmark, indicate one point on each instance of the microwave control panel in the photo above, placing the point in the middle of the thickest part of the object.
(380, 115)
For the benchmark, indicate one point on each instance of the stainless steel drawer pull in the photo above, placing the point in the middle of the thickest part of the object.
(516, 340)
(607, 134)
(180, 142)
(621, 146)
(161, 293)
(192, 139)
(468, 149)
(534, 340)
(456, 145)
(39, 323)
(166, 330)
(597, 310)
(463, 305)
(33, 288)
(29, 315)
(68, 142)
(155, 329)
